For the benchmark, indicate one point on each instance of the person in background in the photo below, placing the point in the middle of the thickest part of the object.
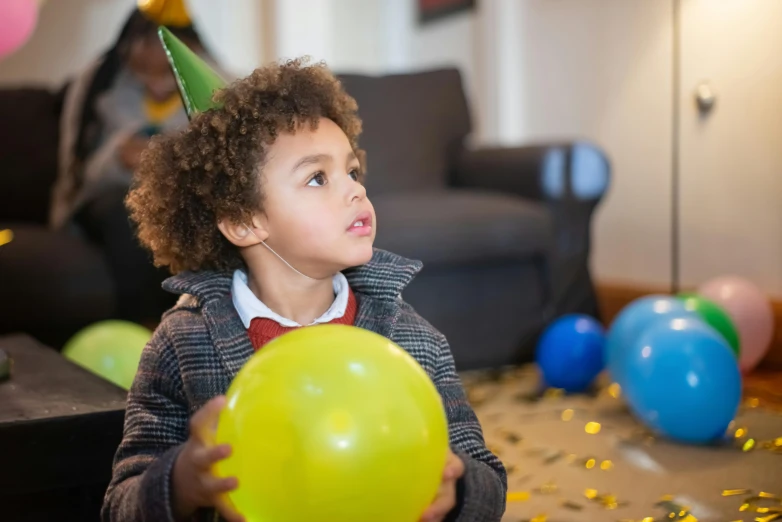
(111, 110)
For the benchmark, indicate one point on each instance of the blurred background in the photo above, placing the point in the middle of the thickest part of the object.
(679, 101)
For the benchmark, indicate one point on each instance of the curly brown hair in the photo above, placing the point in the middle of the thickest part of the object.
(211, 171)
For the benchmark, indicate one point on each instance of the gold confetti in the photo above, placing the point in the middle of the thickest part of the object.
(518, 496)
(593, 428)
(648, 519)
(606, 465)
(689, 518)
(553, 393)
(590, 463)
(567, 504)
(6, 236)
(477, 396)
(666, 498)
(553, 457)
(760, 505)
(609, 502)
(512, 438)
(567, 415)
(734, 492)
(740, 433)
(614, 390)
(749, 445)
(540, 518)
(753, 402)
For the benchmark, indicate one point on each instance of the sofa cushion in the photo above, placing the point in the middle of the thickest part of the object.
(51, 279)
(414, 124)
(456, 227)
(29, 133)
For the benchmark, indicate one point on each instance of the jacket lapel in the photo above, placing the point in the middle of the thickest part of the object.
(376, 315)
(228, 334)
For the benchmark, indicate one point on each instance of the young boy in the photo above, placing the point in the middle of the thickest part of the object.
(259, 208)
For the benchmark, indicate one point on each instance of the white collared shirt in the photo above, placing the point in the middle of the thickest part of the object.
(250, 307)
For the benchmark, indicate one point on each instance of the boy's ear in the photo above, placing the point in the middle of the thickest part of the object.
(243, 234)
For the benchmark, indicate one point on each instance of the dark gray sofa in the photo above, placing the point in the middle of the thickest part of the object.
(504, 233)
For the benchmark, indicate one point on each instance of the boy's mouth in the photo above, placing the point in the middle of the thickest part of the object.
(362, 225)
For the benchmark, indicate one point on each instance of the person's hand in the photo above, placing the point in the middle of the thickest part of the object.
(194, 486)
(445, 500)
(130, 151)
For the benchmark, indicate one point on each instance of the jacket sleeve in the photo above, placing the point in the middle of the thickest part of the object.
(481, 492)
(156, 426)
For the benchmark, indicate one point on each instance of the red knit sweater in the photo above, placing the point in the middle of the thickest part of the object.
(263, 330)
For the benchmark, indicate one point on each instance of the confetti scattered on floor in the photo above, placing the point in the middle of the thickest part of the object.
(568, 458)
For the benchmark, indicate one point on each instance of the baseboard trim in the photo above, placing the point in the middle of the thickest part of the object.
(613, 296)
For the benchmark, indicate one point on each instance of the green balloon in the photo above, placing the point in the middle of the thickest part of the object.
(109, 349)
(716, 317)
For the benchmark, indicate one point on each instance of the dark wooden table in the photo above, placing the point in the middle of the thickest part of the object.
(59, 428)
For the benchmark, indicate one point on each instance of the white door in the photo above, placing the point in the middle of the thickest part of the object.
(731, 157)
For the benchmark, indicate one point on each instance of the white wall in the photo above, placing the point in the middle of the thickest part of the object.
(71, 33)
(600, 70)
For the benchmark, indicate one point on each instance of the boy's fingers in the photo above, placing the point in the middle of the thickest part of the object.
(204, 422)
(227, 510)
(204, 457)
(454, 467)
(216, 486)
(443, 503)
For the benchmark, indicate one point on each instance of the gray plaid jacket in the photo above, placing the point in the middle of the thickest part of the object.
(200, 346)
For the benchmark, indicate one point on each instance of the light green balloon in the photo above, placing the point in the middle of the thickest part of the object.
(109, 349)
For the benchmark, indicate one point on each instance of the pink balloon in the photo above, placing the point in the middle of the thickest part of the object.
(17, 21)
(751, 312)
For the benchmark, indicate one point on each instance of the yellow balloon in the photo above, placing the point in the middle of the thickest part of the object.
(333, 422)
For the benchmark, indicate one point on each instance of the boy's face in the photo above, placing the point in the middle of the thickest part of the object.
(315, 212)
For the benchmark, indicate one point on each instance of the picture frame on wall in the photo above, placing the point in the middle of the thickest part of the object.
(432, 10)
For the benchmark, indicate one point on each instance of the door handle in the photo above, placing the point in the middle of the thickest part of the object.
(705, 98)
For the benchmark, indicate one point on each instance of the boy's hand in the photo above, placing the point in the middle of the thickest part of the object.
(446, 495)
(194, 486)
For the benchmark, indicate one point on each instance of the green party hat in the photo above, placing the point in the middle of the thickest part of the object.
(197, 80)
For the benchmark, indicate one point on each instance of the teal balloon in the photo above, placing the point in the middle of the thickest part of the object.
(683, 380)
(631, 323)
(109, 349)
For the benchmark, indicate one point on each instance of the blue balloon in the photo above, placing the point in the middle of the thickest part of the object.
(682, 380)
(570, 352)
(632, 322)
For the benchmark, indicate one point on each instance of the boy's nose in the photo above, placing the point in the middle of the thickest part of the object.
(357, 191)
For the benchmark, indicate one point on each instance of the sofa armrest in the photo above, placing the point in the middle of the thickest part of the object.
(575, 172)
(570, 179)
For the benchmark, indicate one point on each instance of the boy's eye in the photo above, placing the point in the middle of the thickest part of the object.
(318, 180)
(353, 174)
